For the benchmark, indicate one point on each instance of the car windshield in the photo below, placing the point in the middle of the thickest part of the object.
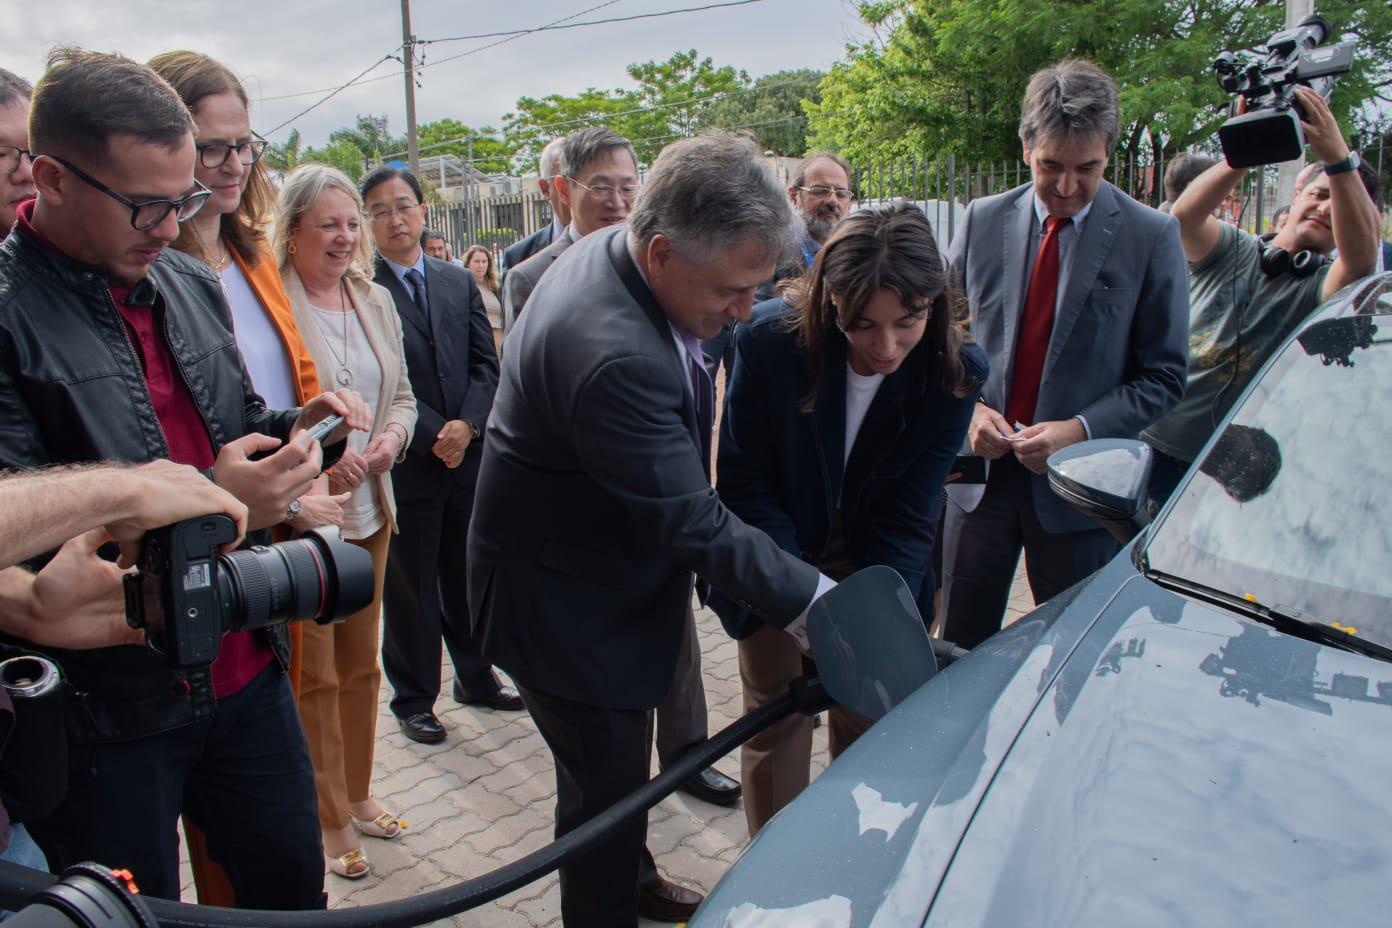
(1290, 507)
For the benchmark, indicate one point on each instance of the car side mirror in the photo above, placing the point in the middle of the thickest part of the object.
(1106, 479)
(869, 642)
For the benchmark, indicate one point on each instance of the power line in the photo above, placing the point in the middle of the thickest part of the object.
(342, 87)
(386, 77)
(593, 22)
(601, 117)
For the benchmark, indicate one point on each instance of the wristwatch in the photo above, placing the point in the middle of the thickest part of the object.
(1350, 163)
(473, 429)
(292, 510)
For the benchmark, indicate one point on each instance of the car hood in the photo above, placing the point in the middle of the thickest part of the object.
(1137, 758)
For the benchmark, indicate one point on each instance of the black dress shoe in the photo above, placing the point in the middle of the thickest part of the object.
(505, 698)
(423, 727)
(664, 901)
(712, 786)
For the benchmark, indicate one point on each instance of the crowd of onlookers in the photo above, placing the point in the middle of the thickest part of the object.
(554, 513)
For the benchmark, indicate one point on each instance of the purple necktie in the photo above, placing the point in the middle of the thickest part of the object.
(704, 392)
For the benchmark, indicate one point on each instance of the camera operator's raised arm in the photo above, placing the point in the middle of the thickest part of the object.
(1198, 227)
(1353, 218)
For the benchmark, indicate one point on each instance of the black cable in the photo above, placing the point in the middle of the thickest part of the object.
(806, 695)
(591, 22)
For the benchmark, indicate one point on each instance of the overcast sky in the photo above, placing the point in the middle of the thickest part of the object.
(283, 47)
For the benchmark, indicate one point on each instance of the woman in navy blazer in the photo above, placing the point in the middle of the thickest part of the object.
(848, 402)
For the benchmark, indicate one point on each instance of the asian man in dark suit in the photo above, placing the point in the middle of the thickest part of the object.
(1079, 296)
(454, 374)
(595, 515)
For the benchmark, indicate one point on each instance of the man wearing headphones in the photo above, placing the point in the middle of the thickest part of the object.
(1247, 294)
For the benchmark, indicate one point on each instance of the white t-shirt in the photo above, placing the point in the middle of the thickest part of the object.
(362, 516)
(262, 349)
(860, 393)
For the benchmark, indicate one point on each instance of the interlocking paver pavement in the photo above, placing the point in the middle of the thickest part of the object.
(485, 797)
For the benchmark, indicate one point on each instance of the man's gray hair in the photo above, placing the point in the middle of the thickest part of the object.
(551, 163)
(709, 194)
(1072, 99)
(584, 145)
(14, 88)
(800, 178)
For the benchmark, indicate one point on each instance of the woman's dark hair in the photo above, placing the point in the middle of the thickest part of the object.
(195, 76)
(891, 248)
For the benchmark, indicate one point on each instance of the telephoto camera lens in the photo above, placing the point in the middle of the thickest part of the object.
(318, 577)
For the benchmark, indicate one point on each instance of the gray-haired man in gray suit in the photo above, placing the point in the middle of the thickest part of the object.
(595, 515)
(1080, 297)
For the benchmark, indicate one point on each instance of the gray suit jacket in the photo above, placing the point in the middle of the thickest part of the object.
(522, 280)
(1118, 354)
(593, 510)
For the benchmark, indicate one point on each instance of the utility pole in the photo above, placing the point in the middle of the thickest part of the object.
(1296, 10)
(408, 42)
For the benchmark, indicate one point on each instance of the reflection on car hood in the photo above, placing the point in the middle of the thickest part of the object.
(1137, 759)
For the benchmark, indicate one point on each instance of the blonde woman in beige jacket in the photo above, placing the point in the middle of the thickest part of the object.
(351, 329)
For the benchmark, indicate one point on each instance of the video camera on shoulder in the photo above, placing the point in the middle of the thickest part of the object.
(1269, 132)
(203, 594)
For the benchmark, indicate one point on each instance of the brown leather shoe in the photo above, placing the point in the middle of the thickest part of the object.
(664, 901)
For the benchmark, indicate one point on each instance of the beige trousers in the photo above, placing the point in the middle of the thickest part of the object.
(339, 681)
(776, 764)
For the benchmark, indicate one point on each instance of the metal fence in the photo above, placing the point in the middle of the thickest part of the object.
(942, 187)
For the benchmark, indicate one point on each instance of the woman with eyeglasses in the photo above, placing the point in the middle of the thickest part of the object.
(354, 333)
(228, 234)
(479, 261)
(848, 402)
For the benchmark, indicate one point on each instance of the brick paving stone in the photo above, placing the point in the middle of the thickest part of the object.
(486, 797)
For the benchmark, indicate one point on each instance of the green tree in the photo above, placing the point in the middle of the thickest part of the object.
(671, 98)
(492, 155)
(771, 109)
(947, 76)
(282, 157)
(342, 154)
(370, 137)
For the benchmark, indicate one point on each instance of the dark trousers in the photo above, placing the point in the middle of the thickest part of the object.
(425, 597)
(981, 549)
(243, 776)
(681, 716)
(601, 755)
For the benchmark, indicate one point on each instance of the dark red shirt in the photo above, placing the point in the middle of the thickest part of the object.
(242, 655)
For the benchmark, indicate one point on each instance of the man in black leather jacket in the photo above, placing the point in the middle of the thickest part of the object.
(114, 348)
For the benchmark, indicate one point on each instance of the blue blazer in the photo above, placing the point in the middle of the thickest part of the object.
(781, 470)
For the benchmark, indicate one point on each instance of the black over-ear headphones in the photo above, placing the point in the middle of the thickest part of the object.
(1277, 261)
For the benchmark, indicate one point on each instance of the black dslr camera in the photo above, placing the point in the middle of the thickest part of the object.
(1269, 132)
(203, 594)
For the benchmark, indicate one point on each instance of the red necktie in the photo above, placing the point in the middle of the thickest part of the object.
(1036, 324)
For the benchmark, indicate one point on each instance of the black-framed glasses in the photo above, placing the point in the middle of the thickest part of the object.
(821, 193)
(215, 154)
(9, 158)
(628, 191)
(150, 213)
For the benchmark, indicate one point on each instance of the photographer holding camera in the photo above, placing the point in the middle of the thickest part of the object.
(1247, 294)
(117, 348)
(80, 508)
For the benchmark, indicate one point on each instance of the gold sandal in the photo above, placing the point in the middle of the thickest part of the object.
(345, 866)
(386, 826)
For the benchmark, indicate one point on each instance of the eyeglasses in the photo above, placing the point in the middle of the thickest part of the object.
(628, 191)
(822, 193)
(145, 216)
(215, 154)
(383, 213)
(9, 158)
